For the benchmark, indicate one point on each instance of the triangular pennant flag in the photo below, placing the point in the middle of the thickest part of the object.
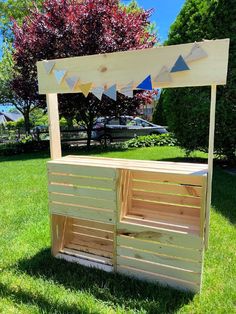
(111, 92)
(59, 75)
(98, 91)
(127, 90)
(85, 88)
(196, 53)
(180, 65)
(146, 84)
(163, 76)
(72, 82)
(49, 65)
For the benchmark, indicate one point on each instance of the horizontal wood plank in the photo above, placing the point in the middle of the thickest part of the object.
(92, 224)
(103, 183)
(168, 177)
(167, 198)
(86, 249)
(159, 269)
(133, 66)
(87, 171)
(108, 205)
(82, 212)
(84, 192)
(160, 248)
(138, 231)
(88, 256)
(160, 279)
(167, 188)
(92, 232)
(155, 258)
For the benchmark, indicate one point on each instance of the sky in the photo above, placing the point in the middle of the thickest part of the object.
(165, 13)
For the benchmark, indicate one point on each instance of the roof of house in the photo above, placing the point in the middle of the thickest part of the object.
(11, 116)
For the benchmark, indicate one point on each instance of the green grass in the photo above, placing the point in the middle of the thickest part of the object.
(31, 281)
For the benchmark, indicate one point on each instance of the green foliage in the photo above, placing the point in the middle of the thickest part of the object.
(158, 114)
(187, 109)
(38, 117)
(150, 141)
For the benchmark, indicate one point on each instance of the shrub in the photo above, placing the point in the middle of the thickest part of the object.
(151, 140)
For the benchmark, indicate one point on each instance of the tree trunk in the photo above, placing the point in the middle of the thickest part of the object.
(27, 122)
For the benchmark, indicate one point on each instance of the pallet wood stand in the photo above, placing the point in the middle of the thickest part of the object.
(142, 218)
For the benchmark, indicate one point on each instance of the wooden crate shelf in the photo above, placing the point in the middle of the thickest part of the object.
(144, 219)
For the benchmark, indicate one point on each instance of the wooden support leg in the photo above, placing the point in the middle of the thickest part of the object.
(54, 126)
(210, 162)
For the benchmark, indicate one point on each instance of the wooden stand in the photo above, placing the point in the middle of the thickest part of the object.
(137, 217)
(141, 218)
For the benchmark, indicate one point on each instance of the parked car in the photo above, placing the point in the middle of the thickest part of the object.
(107, 130)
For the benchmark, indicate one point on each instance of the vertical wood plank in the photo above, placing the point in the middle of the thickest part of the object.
(58, 226)
(210, 162)
(54, 127)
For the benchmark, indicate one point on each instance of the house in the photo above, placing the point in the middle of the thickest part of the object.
(9, 117)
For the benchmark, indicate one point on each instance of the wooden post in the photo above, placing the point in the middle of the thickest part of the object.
(54, 127)
(210, 162)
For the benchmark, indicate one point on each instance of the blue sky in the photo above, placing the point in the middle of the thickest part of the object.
(164, 15)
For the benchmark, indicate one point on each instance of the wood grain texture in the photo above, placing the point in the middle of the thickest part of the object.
(125, 67)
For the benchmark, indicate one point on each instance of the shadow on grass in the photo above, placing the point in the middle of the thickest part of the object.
(224, 194)
(111, 288)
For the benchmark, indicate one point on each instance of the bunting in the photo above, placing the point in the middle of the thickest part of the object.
(72, 82)
(163, 76)
(180, 65)
(59, 75)
(111, 92)
(146, 84)
(98, 92)
(85, 88)
(196, 53)
(127, 90)
(49, 65)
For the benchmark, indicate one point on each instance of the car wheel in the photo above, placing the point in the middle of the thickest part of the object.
(105, 140)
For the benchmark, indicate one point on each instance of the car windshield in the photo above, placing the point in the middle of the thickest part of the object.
(142, 123)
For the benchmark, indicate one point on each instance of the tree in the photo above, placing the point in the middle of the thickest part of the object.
(65, 28)
(187, 109)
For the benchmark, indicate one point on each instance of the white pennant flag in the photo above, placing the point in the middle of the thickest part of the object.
(59, 75)
(196, 53)
(111, 92)
(49, 65)
(127, 90)
(163, 76)
(98, 91)
(72, 82)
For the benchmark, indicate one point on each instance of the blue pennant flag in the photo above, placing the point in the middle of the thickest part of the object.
(180, 65)
(146, 84)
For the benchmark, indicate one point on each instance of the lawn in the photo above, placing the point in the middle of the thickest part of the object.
(31, 281)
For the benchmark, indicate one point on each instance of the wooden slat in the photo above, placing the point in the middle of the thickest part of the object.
(163, 280)
(167, 198)
(83, 248)
(109, 205)
(87, 171)
(157, 208)
(134, 66)
(92, 232)
(57, 233)
(82, 212)
(167, 188)
(168, 221)
(82, 181)
(93, 242)
(155, 258)
(138, 231)
(162, 249)
(88, 256)
(159, 269)
(84, 192)
(168, 177)
(92, 224)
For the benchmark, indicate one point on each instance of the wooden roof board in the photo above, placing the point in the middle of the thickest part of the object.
(121, 68)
